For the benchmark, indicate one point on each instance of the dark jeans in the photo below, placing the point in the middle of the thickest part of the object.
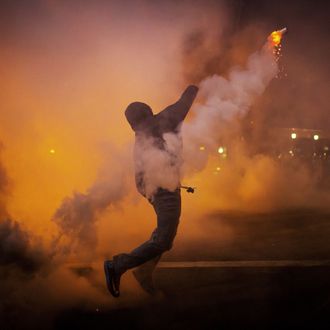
(167, 206)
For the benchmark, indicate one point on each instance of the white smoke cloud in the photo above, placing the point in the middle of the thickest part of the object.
(226, 100)
(161, 167)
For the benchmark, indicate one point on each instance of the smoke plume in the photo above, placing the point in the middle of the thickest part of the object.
(17, 250)
(68, 71)
(224, 101)
(77, 215)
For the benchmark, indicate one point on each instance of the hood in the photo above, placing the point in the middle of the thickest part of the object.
(136, 114)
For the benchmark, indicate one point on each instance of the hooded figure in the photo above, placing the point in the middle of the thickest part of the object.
(158, 159)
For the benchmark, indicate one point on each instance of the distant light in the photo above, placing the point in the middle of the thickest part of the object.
(326, 148)
(202, 148)
(221, 150)
(291, 152)
(316, 137)
(218, 169)
(293, 136)
(52, 151)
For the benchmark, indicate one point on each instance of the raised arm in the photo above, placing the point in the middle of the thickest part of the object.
(174, 114)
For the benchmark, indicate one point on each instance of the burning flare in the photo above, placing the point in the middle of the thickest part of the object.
(275, 37)
(273, 43)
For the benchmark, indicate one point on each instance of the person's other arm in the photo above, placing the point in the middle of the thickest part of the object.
(174, 114)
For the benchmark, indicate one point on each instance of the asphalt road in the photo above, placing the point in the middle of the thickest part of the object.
(273, 273)
(222, 298)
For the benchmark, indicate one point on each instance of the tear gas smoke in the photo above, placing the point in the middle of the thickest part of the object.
(4, 185)
(22, 258)
(77, 215)
(75, 71)
(226, 100)
(17, 251)
(162, 167)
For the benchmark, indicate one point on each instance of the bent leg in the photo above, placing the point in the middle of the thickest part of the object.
(144, 275)
(148, 267)
(167, 206)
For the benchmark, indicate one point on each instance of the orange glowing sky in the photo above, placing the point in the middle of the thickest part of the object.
(67, 74)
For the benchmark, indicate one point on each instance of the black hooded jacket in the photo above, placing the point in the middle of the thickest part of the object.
(146, 124)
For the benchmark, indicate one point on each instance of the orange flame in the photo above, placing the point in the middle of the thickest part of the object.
(275, 37)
